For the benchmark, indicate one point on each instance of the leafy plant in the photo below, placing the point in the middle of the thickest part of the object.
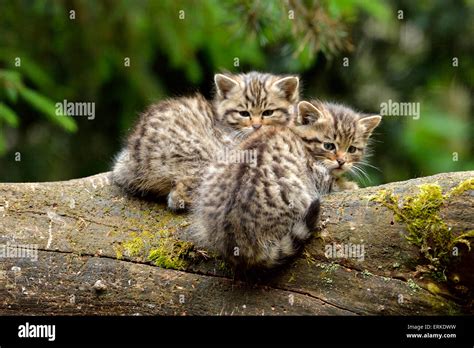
(13, 87)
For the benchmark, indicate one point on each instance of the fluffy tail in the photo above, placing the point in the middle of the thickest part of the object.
(138, 181)
(302, 230)
(311, 216)
(123, 173)
(270, 254)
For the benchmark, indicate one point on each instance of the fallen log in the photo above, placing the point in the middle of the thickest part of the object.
(81, 247)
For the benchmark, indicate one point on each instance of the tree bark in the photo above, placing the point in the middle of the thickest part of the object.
(95, 246)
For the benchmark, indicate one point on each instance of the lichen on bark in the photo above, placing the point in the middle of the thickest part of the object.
(420, 212)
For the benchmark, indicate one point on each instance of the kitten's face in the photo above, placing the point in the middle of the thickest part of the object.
(334, 134)
(248, 102)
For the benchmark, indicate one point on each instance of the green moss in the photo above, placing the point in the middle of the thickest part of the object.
(413, 286)
(134, 246)
(161, 247)
(332, 267)
(433, 288)
(426, 229)
(366, 273)
(329, 268)
(462, 187)
(118, 252)
(308, 257)
(223, 266)
(170, 253)
(154, 238)
(328, 280)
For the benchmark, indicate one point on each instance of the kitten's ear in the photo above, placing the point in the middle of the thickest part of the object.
(224, 84)
(369, 123)
(308, 113)
(288, 87)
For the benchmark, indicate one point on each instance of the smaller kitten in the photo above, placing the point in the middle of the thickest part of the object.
(257, 215)
(337, 136)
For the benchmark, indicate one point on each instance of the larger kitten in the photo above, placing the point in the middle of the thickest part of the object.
(257, 215)
(175, 139)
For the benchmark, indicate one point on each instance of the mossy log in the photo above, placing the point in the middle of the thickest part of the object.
(100, 252)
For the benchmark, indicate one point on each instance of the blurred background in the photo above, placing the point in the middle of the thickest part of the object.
(124, 55)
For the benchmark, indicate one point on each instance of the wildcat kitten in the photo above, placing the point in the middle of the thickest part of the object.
(337, 136)
(258, 215)
(176, 139)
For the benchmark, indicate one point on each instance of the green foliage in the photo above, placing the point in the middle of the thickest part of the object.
(13, 87)
(174, 47)
(47, 108)
(8, 115)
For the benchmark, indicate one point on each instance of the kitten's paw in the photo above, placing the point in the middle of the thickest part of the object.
(343, 185)
(350, 185)
(175, 203)
(179, 199)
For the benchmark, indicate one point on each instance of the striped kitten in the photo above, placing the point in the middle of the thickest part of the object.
(257, 215)
(175, 139)
(337, 136)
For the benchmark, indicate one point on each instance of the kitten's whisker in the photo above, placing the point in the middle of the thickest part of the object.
(360, 170)
(234, 134)
(358, 177)
(238, 135)
(355, 174)
(369, 165)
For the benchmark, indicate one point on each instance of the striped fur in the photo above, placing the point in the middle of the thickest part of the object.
(175, 139)
(329, 123)
(266, 98)
(256, 216)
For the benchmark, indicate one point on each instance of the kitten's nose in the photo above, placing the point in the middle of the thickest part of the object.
(340, 161)
(256, 126)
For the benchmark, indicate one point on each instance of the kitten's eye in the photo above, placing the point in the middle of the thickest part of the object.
(329, 146)
(351, 149)
(267, 113)
(244, 113)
